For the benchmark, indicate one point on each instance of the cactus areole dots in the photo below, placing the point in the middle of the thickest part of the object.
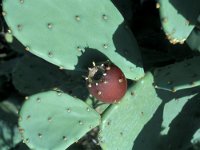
(106, 82)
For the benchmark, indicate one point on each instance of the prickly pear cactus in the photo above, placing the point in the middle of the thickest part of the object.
(54, 120)
(169, 121)
(171, 110)
(178, 76)
(154, 111)
(122, 122)
(177, 18)
(62, 36)
(187, 120)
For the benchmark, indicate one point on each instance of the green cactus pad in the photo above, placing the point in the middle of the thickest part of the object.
(122, 122)
(161, 129)
(178, 76)
(176, 26)
(194, 40)
(173, 123)
(54, 120)
(61, 31)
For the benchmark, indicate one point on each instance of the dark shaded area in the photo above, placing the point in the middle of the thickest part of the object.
(125, 43)
(147, 29)
(20, 146)
(146, 26)
(88, 142)
(9, 120)
(6, 54)
(33, 75)
(6, 87)
(190, 9)
(125, 8)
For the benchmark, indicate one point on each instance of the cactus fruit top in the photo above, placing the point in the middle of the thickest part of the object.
(106, 82)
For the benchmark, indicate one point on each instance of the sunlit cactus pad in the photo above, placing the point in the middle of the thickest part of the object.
(54, 120)
(176, 26)
(122, 123)
(59, 31)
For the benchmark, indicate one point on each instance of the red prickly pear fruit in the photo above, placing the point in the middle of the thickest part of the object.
(106, 82)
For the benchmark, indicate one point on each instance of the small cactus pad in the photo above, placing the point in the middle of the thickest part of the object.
(181, 75)
(122, 122)
(194, 40)
(54, 120)
(177, 28)
(62, 35)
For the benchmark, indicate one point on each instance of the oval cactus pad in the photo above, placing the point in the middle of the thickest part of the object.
(53, 120)
(59, 31)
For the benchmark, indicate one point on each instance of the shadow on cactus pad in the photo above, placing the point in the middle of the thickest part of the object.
(88, 56)
(184, 126)
(126, 45)
(174, 123)
(33, 75)
(189, 9)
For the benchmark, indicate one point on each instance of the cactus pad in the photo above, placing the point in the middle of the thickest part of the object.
(177, 28)
(181, 75)
(122, 122)
(60, 32)
(54, 120)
